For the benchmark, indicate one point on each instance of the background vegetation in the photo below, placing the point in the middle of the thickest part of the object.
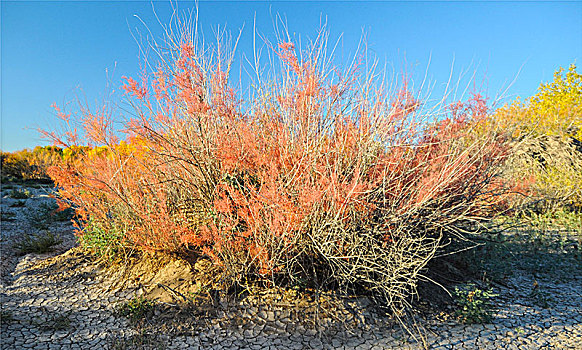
(29, 165)
(544, 133)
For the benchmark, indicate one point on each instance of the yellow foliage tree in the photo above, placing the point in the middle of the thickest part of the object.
(555, 110)
(545, 132)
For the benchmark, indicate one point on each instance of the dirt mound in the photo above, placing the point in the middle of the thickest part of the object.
(60, 266)
(158, 277)
(162, 277)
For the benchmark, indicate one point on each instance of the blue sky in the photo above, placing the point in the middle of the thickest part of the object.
(55, 51)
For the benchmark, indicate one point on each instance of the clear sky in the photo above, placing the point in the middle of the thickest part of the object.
(52, 51)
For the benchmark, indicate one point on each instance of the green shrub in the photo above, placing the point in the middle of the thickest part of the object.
(473, 304)
(136, 309)
(105, 243)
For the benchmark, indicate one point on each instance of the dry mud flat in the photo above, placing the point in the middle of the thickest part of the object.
(67, 302)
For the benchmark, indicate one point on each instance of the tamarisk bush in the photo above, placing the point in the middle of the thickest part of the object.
(321, 175)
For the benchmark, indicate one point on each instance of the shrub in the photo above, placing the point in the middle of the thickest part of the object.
(555, 110)
(473, 304)
(322, 175)
(136, 309)
(105, 243)
(546, 134)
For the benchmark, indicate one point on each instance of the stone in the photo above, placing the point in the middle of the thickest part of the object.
(315, 343)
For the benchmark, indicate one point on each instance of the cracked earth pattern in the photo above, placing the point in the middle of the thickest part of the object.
(45, 306)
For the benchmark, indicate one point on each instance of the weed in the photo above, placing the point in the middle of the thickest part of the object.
(540, 297)
(473, 304)
(39, 243)
(105, 243)
(136, 309)
(20, 194)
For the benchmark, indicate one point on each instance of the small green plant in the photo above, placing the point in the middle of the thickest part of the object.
(38, 243)
(105, 243)
(136, 309)
(20, 194)
(473, 304)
